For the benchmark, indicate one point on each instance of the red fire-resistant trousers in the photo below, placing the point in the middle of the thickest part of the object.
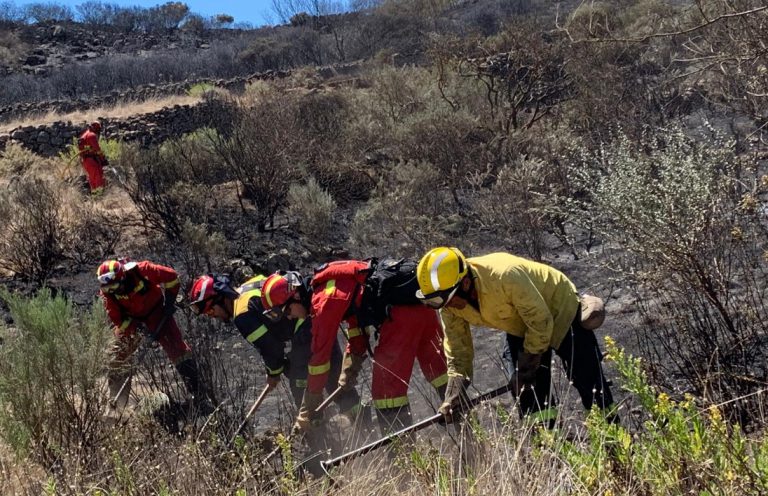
(95, 174)
(169, 338)
(411, 333)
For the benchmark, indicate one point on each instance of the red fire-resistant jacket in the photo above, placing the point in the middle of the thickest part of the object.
(146, 298)
(335, 288)
(88, 145)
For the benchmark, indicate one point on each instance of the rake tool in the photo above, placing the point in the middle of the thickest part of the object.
(327, 464)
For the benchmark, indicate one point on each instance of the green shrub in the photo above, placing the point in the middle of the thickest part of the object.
(200, 89)
(679, 209)
(50, 365)
(110, 147)
(406, 213)
(17, 161)
(683, 447)
(312, 209)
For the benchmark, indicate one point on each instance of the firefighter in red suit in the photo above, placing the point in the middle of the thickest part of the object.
(92, 157)
(145, 293)
(408, 332)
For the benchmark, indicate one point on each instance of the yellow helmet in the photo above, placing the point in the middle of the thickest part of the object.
(439, 273)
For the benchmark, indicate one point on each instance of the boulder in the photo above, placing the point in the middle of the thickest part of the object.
(19, 135)
(34, 60)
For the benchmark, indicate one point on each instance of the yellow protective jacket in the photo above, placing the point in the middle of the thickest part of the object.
(515, 295)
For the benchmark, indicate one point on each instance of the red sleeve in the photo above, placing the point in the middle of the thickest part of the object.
(358, 339)
(327, 314)
(123, 325)
(163, 276)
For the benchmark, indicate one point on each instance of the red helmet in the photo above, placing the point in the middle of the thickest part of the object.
(277, 291)
(206, 289)
(111, 272)
(95, 126)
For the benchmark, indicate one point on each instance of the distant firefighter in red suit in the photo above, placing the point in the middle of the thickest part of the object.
(92, 157)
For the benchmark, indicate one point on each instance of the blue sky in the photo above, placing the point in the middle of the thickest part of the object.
(257, 12)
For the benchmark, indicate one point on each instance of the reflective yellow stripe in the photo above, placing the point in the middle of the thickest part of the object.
(544, 415)
(298, 324)
(256, 334)
(300, 383)
(265, 291)
(139, 287)
(353, 332)
(171, 284)
(275, 371)
(124, 325)
(320, 369)
(440, 380)
(254, 283)
(330, 286)
(390, 402)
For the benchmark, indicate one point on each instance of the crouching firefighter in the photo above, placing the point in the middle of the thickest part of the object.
(537, 307)
(365, 295)
(145, 293)
(214, 296)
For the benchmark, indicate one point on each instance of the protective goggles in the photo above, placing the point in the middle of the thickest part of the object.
(204, 307)
(110, 288)
(110, 285)
(438, 299)
(107, 278)
(276, 313)
(109, 282)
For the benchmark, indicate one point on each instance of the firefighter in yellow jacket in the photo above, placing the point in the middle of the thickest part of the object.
(539, 309)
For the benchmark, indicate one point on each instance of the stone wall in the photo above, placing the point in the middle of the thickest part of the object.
(146, 129)
(138, 94)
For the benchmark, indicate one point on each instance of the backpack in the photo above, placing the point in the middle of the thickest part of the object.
(384, 282)
(390, 282)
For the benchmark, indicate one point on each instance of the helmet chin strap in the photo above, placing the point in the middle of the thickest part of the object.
(228, 305)
(470, 295)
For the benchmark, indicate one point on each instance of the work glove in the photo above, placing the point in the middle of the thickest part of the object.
(169, 306)
(456, 398)
(527, 365)
(350, 369)
(273, 381)
(307, 413)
